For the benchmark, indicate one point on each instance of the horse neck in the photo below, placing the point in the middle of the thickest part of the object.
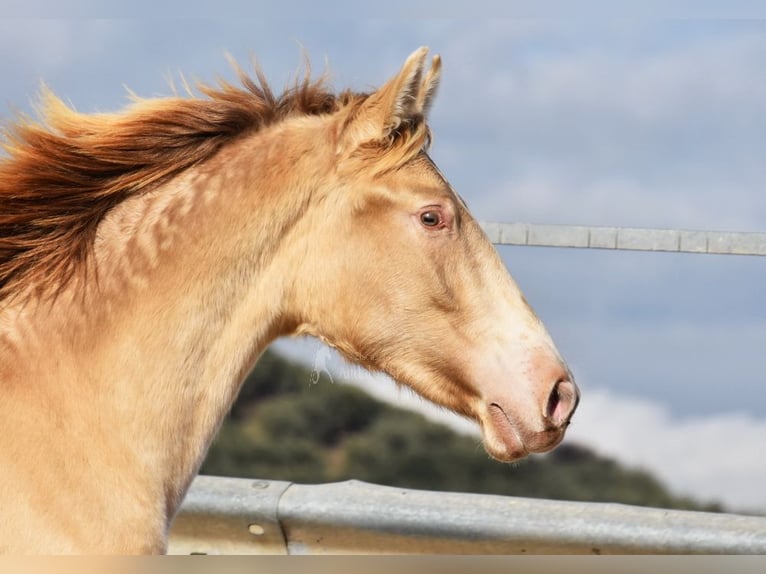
(190, 290)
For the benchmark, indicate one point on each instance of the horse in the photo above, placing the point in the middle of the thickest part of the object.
(150, 255)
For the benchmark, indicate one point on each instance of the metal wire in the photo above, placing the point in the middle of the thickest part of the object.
(627, 238)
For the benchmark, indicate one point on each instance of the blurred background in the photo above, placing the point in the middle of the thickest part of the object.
(591, 121)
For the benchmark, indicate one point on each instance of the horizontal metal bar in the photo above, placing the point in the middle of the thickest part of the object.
(231, 515)
(627, 238)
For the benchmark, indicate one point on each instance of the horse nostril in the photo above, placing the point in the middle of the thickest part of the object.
(562, 402)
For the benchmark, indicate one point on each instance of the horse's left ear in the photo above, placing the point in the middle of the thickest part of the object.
(404, 100)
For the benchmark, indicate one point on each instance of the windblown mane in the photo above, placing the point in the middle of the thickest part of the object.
(63, 173)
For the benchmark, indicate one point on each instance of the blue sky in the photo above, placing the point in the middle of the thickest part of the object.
(638, 122)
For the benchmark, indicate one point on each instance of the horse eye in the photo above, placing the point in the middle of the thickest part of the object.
(430, 218)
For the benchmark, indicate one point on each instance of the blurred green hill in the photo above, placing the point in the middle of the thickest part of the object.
(282, 427)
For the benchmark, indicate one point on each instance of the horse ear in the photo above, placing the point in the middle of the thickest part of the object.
(404, 99)
(430, 86)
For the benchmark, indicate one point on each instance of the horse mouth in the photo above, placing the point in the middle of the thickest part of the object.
(502, 439)
(507, 441)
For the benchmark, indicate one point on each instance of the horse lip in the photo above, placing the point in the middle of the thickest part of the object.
(506, 431)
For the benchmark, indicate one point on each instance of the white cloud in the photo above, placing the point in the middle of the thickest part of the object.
(716, 457)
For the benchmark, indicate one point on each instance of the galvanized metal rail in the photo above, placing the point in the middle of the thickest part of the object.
(627, 238)
(241, 516)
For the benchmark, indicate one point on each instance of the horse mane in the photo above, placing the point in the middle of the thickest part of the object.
(63, 173)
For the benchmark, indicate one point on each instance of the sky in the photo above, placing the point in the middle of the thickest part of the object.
(620, 121)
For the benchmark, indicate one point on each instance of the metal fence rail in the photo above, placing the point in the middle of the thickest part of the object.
(627, 238)
(241, 516)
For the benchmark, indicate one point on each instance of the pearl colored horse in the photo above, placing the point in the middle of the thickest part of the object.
(148, 257)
